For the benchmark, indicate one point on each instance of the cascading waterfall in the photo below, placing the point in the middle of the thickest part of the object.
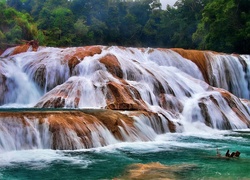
(16, 87)
(47, 70)
(18, 134)
(230, 72)
(73, 130)
(212, 110)
(152, 91)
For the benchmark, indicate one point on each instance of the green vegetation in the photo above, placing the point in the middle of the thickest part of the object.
(16, 26)
(219, 25)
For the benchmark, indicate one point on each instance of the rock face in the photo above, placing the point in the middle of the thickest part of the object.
(3, 87)
(197, 57)
(79, 54)
(134, 93)
(117, 96)
(75, 129)
(112, 64)
(123, 97)
(1, 52)
(155, 170)
(230, 72)
(28, 46)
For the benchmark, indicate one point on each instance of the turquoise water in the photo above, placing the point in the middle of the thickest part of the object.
(195, 153)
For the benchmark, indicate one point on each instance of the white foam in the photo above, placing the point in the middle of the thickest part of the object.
(168, 142)
(41, 158)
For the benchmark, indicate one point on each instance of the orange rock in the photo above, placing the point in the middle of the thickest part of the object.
(118, 97)
(80, 54)
(154, 170)
(1, 52)
(56, 97)
(34, 44)
(24, 48)
(72, 129)
(112, 64)
(197, 57)
(113, 120)
(21, 48)
(155, 118)
(124, 97)
(231, 100)
(76, 122)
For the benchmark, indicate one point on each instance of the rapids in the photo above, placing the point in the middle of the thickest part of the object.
(170, 156)
(95, 96)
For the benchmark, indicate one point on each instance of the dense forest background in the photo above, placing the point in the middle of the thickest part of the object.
(219, 25)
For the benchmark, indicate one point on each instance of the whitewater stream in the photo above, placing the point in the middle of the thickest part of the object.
(102, 112)
(188, 156)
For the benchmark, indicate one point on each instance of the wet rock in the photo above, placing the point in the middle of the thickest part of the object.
(80, 54)
(112, 64)
(123, 97)
(32, 45)
(70, 129)
(196, 56)
(154, 170)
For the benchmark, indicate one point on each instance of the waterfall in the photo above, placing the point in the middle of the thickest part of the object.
(101, 95)
(23, 133)
(213, 110)
(16, 87)
(75, 130)
(230, 72)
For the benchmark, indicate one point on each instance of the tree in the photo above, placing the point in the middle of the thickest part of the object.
(16, 26)
(242, 43)
(220, 25)
(130, 30)
(225, 26)
(37, 6)
(113, 23)
(151, 29)
(57, 24)
(97, 29)
(178, 23)
(81, 29)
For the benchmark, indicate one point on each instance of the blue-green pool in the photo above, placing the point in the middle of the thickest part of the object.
(193, 156)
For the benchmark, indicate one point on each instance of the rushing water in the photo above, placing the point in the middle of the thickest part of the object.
(162, 81)
(195, 154)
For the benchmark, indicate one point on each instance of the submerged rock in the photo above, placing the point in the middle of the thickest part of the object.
(154, 170)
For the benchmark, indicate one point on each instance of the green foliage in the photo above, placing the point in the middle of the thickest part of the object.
(41, 38)
(224, 26)
(57, 24)
(15, 26)
(151, 29)
(62, 18)
(2, 39)
(81, 32)
(52, 4)
(220, 25)
(3, 1)
(15, 34)
(181, 22)
(80, 27)
(97, 29)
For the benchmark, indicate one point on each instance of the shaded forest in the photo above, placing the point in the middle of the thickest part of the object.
(218, 25)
